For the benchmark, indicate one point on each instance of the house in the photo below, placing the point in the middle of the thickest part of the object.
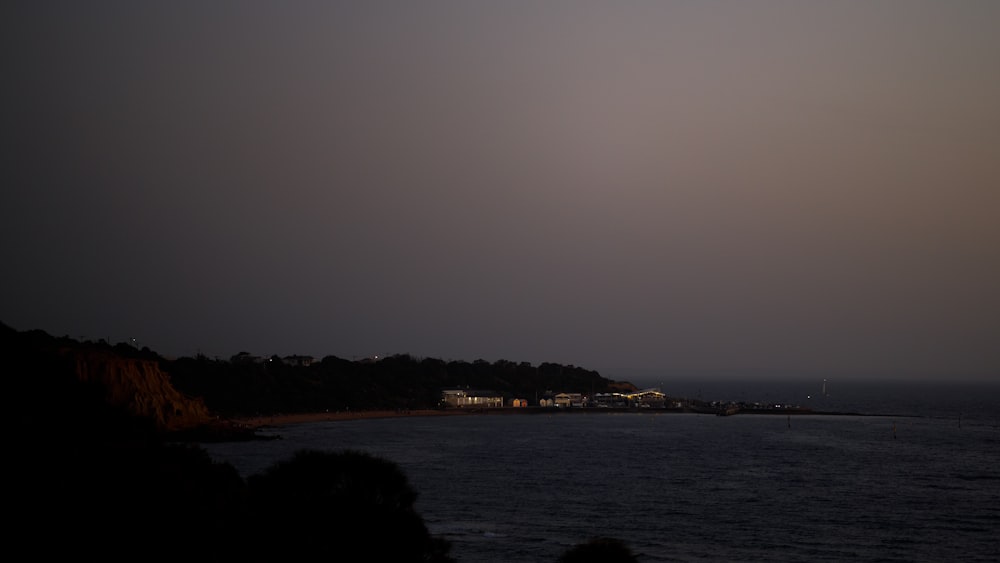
(569, 400)
(247, 358)
(471, 398)
(649, 398)
(611, 400)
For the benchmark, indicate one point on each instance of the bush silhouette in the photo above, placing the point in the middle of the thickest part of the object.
(340, 506)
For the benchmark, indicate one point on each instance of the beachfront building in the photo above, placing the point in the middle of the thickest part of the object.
(653, 398)
(569, 400)
(611, 400)
(471, 398)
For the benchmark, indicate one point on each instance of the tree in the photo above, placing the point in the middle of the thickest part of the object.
(349, 506)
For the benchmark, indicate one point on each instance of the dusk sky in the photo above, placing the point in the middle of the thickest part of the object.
(648, 189)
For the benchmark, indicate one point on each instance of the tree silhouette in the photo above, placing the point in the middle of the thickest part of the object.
(341, 506)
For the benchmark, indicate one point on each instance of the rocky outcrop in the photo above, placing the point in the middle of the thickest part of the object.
(141, 387)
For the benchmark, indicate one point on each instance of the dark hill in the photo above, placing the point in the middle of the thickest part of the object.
(102, 461)
(97, 469)
(187, 395)
(242, 388)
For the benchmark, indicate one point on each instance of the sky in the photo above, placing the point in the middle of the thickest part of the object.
(647, 189)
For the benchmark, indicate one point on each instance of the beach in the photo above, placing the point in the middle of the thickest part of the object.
(278, 420)
(300, 418)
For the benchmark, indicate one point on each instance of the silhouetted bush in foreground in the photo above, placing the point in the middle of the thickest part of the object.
(93, 480)
(343, 506)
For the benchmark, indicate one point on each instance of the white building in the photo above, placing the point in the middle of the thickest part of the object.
(471, 398)
(569, 400)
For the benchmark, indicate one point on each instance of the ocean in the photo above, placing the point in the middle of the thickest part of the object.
(913, 476)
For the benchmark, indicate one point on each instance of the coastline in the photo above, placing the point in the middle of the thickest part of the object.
(278, 420)
(247, 428)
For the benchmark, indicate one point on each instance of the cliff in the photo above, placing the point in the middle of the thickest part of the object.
(67, 388)
(140, 387)
(198, 398)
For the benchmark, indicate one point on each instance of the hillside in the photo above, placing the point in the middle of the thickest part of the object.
(61, 378)
(239, 388)
(104, 454)
(98, 467)
(186, 394)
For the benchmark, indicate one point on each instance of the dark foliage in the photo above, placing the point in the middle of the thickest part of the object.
(96, 480)
(93, 480)
(343, 506)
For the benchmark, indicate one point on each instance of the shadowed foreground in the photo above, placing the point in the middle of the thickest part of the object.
(102, 471)
(347, 505)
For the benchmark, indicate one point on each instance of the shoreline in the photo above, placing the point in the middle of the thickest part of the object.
(280, 420)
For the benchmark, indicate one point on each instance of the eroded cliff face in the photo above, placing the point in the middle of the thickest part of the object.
(140, 387)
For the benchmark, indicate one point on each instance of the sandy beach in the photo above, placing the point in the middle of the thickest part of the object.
(299, 418)
(278, 420)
